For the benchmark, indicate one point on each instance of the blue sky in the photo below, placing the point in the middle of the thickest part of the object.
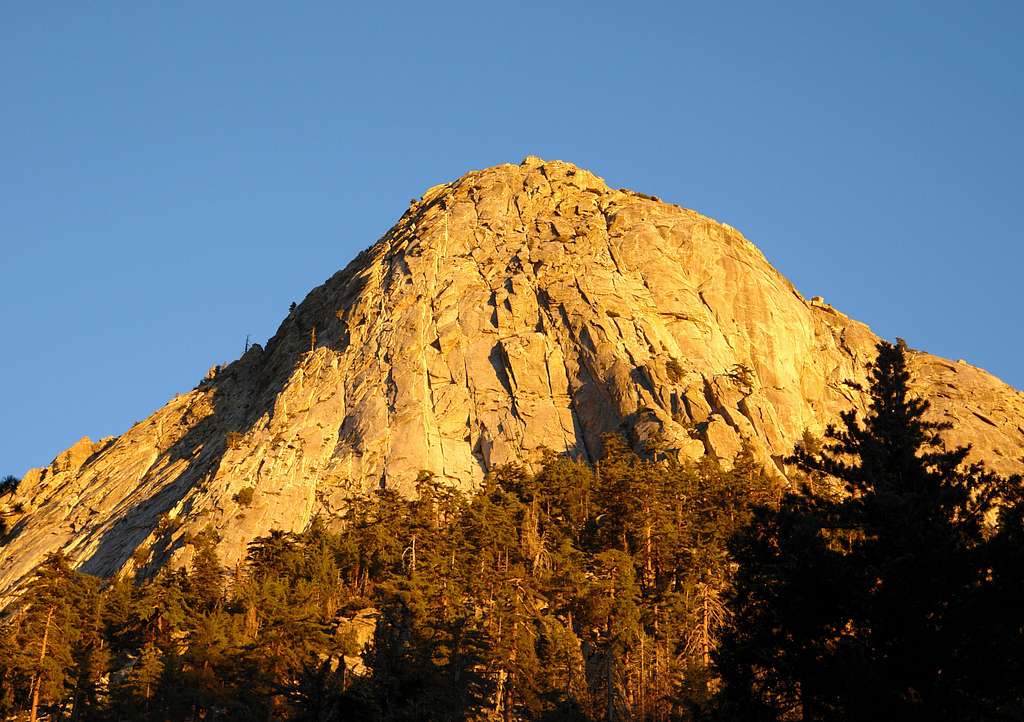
(173, 175)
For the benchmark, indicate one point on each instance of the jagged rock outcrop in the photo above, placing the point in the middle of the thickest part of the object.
(517, 308)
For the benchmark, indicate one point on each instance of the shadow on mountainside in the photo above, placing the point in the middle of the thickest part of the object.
(242, 393)
(203, 448)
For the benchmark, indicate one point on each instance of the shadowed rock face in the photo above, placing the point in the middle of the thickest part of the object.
(520, 307)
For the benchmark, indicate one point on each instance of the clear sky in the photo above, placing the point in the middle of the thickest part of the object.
(173, 175)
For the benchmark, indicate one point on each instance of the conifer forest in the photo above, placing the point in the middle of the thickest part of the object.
(887, 583)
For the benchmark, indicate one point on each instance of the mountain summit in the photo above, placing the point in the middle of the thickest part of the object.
(519, 308)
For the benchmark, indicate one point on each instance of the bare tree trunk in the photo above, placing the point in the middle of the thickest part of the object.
(38, 681)
(643, 680)
(705, 632)
(609, 709)
(499, 695)
(648, 556)
(499, 692)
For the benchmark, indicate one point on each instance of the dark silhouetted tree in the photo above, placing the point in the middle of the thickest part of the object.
(857, 605)
(9, 484)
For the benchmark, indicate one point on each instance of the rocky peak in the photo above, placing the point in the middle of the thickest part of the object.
(519, 308)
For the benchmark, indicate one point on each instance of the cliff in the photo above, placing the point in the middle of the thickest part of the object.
(517, 308)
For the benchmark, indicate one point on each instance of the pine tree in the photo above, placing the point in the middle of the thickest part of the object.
(50, 632)
(206, 575)
(611, 609)
(852, 607)
(9, 484)
(134, 696)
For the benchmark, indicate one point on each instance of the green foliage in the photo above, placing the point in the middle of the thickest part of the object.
(640, 588)
(141, 556)
(53, 645)
(167, 524)
(245, 496)
(742, 376)
(574, 593)
(675, 370)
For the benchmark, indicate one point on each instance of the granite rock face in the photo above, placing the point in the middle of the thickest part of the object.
(518, 308)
